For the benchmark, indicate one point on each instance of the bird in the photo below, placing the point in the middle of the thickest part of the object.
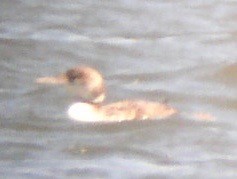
(89, 85)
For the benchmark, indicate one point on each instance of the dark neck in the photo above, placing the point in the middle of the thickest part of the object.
(97, 105)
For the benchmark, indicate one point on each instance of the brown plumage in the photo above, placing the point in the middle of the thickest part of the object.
(137, 109)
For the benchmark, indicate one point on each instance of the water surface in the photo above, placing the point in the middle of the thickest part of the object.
(183, 52)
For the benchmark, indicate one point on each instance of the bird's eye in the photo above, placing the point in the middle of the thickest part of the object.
(72, 75)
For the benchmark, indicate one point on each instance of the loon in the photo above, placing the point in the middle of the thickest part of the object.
(88, 84)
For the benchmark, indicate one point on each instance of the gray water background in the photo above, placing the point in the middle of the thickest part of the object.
(184, 52)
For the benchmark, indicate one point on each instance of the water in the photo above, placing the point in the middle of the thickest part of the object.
(180, 51)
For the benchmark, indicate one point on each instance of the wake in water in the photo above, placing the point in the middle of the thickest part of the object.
(89, 85)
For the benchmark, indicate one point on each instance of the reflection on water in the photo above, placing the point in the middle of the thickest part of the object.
(182, 52)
